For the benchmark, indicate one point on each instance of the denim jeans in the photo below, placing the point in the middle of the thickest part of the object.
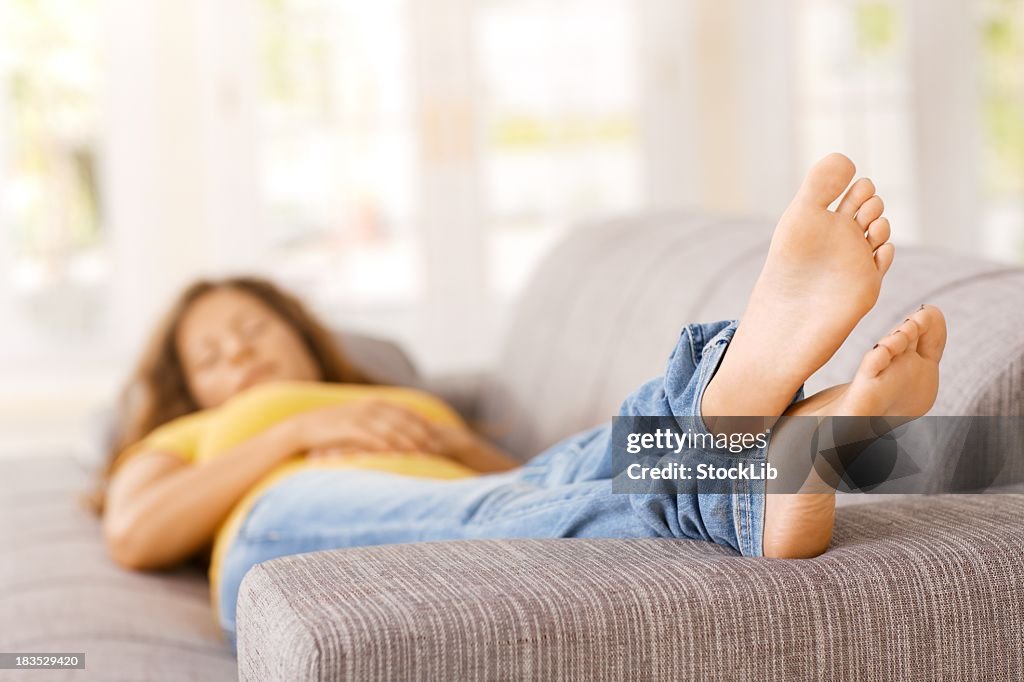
(565, 492)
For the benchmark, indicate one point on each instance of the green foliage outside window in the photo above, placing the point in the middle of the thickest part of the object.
(1002, 37)
(49, 56)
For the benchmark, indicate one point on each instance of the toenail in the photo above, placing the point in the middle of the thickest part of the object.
(922, 307)
(874, 346)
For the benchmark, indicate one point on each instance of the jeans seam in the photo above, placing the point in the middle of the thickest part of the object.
(695, 343)
(703, 381)
(749, 519)
(705, 371)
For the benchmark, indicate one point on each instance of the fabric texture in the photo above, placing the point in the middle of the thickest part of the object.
(60, 591)
(926, 588)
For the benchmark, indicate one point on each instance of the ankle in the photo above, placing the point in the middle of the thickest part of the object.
(734, 392)
(798, 526)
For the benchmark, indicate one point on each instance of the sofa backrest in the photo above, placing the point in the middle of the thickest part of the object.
(604, 309)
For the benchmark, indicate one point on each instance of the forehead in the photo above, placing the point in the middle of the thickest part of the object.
(218, 308)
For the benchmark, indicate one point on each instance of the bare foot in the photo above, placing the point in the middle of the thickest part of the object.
(822, 275)
(899, 377)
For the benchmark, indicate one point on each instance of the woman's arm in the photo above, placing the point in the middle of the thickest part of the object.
(161, 509)
(405, 430)
(467, 447)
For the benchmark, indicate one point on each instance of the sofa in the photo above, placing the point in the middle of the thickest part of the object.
(913, 587)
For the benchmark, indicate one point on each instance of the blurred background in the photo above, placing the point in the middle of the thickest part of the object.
(404, 164)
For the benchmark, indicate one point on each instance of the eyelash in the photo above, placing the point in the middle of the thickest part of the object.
(248, 330)
(254, 328)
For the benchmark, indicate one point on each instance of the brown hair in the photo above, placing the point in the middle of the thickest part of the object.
(158, 392)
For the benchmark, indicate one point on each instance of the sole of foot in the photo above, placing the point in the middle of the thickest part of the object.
(898, 379)
(822, 275)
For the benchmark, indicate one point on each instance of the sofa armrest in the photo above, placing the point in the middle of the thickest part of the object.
(921, 586)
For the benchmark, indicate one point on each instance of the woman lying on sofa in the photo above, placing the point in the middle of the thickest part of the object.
(251, 434)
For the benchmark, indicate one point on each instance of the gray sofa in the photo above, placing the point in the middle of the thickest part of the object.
(913, 588)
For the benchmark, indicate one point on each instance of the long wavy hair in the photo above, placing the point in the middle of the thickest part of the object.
(157, 391)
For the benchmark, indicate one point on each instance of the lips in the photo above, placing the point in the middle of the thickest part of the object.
(256, 374)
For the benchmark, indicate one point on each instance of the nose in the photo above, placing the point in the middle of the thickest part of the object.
(236, 348)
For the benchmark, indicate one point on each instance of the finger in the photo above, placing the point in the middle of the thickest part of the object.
(363, 441)
(413, 426)
(400, 441)
(315, 453)
(392, 431)
(321, 452)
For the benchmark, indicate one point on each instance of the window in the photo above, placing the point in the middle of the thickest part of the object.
(49, 200)
(559, 123)
(853, 94)
(1002, 66)
(336, 145)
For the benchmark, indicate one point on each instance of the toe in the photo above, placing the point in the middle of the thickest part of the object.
(827, 179)
(883, 257)
(896, 342)
(878, 233)
(875, 361)
(910, 330)
(932, 339)
(870, 211)
(857, 195)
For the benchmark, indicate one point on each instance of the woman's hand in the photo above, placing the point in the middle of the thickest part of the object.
(371, 425)
(367, 425)
(466, 447)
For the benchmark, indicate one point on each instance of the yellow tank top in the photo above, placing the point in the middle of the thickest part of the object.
(201, 436)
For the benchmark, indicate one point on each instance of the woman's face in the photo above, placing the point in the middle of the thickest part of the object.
(229, 340)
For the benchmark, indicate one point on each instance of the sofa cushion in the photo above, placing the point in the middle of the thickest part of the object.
(926, 587)
(60, 592)
(603, 311)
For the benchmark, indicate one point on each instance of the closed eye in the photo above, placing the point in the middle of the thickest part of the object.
(207, 359)
(254, 327)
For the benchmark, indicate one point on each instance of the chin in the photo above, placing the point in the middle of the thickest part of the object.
(269, 380)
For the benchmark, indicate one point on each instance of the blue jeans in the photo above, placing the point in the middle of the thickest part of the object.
(566, 492)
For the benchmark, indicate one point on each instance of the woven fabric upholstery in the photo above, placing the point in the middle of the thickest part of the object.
(383, 361)
(916, 588)
(60, 592)
(926, 588)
